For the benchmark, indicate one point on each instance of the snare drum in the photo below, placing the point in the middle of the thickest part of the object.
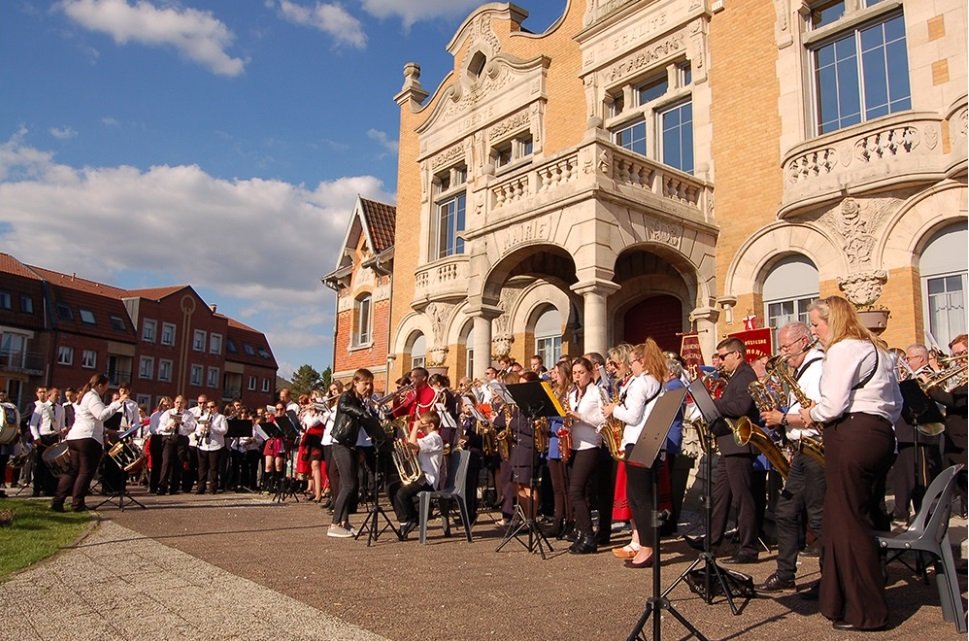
(127, 455)
(9, 424)
(57, 458)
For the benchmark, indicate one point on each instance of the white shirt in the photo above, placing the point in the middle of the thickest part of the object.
(218, 426)
(89, 417)
(633, 410)
(167, 425)
(429, 456)
(808, 377)
(585, 433)
(328, 430)
(42, 420)
(846, 364)
(154, 420)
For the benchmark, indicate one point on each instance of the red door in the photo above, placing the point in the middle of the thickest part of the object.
(660, 317)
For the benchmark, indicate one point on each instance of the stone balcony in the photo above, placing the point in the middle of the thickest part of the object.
(901, 149)
(579, 173)
(444, 280)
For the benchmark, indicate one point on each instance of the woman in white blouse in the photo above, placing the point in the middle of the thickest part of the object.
(86, 442)
(585, 414)
(860, 401)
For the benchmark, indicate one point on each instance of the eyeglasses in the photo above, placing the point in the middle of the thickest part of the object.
(726, 354)
(212, 407)
(792, 343)
(280, 408)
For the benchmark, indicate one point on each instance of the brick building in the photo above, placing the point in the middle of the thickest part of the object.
(644, 168)
(59, 329)
(363, 285)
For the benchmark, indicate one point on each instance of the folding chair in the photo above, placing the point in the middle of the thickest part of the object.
(454, 490)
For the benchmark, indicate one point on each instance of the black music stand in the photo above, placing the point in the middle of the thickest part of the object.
(239, 428)
(121, 492)
(918, 410)
(535, 400)
(730, 582)
(371, 523)
(644, 454)
(284, 428)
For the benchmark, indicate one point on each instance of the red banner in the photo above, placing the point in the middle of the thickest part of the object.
(758, 342)
(690, 350)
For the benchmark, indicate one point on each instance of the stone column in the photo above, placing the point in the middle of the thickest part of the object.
(595, 322)
(706, 328)
(482, 317)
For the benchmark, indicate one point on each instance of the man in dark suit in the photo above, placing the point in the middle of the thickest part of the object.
(733, 478)
(955, 402)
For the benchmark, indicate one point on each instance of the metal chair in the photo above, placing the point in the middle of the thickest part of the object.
(454, 490)
(929, 532)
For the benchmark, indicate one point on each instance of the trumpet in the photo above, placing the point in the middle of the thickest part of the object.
(401, 391)
(202, 430)
(949, 377)
(324, 405)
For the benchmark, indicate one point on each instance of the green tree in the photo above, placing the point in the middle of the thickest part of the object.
(305, 379)
(325, 379)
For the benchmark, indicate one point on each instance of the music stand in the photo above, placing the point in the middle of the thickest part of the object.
(730, 582)
(535, 400)
(122, 490)
(919, 410)
(644, 454)
(284, 429)
(371, 523)
(239, 428)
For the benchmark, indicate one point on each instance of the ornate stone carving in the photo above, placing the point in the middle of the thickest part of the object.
(447, 156)
(509, 124)
(863, 288)
(438, 314)
(463, 99)
(436, 355)
(660, 231)
(782, 26)
(604, 166)
(887, 142)
(854, 228)
(644, 58)
(529, 231)
(931, 135)
(501, 346)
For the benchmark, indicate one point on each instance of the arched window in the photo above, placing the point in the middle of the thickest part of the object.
(943, 267)
(418, 352)
(548, 336)
(362, 320)
(788, 289)
(469, 354)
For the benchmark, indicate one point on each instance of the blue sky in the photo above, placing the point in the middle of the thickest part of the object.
(215, 143)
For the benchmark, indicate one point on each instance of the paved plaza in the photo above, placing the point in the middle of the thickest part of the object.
(230, 567)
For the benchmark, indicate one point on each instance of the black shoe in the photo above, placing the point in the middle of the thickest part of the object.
(406, 528)
(568, 530)
(812, 593)
(79, 508)
(603, 538)
(775, 583)
(696, 542)
(850, 627)
(57, 507)
(741, 557)
(585, 545)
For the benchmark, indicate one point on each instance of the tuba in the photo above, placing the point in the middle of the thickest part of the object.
(406, 461)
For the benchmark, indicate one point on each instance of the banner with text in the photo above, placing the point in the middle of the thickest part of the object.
(758, 342)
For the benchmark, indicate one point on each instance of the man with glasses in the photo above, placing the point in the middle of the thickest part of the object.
(734, 476)
(954, 401)
(210, 430)
(918, 460)
(804, 490)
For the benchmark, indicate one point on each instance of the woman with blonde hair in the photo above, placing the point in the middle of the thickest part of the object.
(860, 401)
(636, 401)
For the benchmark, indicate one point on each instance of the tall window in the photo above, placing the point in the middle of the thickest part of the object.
(168, 334)
(89, 359)
(943, 267)
(198, 340)
(469, 354)
(215, 343)
(196, 375)
(146, 367)
(212, 379)
(252, 384)
(26, 304)
(789, 288)
(65, 355)
(676, 124)
(859, 74)
(13, 349)
(362, 321)
(451, 205)
(5, 300)
(165, 370)
(548, 336)
(418, 352)
(148, 329)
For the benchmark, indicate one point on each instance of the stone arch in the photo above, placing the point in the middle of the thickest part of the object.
(543, 260)
(407, 331)
(775, 241)
(914, 223)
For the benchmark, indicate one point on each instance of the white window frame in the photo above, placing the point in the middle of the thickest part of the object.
(165, 367)
(149, 330)
(198, 340)
(215, 343)
(89, 359)
(168, 333)
(512, 151)
(195, 377)
(146, 367)
(252, 384)
(65, 355)
(212, 377)
(265, 385)
(450, 186)
(143, 400)
(362, 327)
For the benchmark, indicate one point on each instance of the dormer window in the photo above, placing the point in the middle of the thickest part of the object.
(477, 65)
(512, 151)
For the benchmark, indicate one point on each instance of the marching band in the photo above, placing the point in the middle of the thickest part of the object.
(828, 406)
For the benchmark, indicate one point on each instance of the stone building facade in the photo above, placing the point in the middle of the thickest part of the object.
(649, 167)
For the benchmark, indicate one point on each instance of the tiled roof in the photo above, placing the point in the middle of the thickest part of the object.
(73, 281)
(154, 293)
(10, 265)
(381, 220)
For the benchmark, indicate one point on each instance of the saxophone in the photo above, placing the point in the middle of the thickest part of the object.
(565, 432)
(611, 430)
(541, 434)
(505, 438)
(812, 447)
(746, 432)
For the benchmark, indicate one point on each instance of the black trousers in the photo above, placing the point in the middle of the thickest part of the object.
(583, 465)
(208, 470)
(344, 459)
(733, 482)
(605, 486)
(86, 454)
(174, 454)
(639, 493)
(913, 461)
(192, 460)
(857, 450)
(803, 494)
(557, 471)
(45, 483)
(156, 446)
(404, 500)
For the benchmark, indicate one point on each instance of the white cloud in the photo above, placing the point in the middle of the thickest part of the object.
(262, 244)
(62, 133)
(197, 35)
(330, 18)
(381, 137)
(411, 11)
